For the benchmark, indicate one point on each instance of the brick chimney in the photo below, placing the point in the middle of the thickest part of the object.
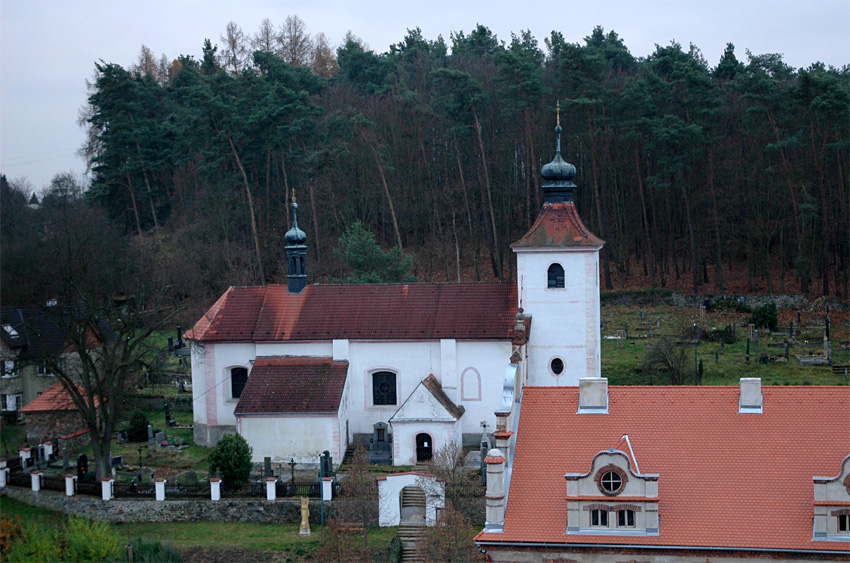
(593, 395)
(751, 399)
(495, 495)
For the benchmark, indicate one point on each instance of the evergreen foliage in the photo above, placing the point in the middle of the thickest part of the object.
(231, 457)
(368, 263)
(137, 427)
(765, 316)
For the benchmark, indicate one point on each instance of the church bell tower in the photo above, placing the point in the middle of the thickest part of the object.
(558, 283)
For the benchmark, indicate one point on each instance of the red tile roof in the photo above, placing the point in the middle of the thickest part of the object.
(52, 400)
(293, 385)
(558, 225)
(423, 311)
(726, 480)
(433, 386)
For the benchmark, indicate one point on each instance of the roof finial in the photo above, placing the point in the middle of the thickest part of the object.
(558, 110)
(293, 196)
(558, 126)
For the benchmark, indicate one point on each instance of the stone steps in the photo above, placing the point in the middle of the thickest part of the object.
(409, 535)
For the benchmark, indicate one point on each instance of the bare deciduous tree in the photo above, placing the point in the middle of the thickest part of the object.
(296, 47)
(324, 62)
(266, 38)
(235, 53)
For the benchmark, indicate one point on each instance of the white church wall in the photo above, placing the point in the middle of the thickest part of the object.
(199, 384)
(489, 360)
(390, 490)
(225, 357)
(404, 438)
(316, 349)
(565, 322)
(283, 437)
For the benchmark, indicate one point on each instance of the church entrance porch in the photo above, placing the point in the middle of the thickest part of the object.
(424, 448)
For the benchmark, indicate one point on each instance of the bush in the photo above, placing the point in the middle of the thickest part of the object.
(137, 427)
(765, 316)
(154, 551)
(34, 544)
(231, 456)
(90, 540)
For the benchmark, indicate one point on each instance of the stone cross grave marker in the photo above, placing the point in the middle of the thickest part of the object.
(151, 441)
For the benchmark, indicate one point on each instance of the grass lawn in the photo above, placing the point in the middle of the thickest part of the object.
(31, 514)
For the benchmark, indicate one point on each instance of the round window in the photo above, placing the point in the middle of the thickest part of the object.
(557, 366)
(611, 482)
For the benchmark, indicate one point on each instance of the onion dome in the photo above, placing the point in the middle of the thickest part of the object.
(295, 235)
(558, 174)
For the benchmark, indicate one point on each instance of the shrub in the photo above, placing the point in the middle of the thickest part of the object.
(34, 544)
(154, 551)
(765, 316)
(90, 540)
(137, 427)
(231, 457)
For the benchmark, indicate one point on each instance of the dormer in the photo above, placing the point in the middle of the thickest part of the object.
(612, 498)
(832, 506)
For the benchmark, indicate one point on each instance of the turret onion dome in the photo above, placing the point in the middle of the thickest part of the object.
(559, 170)
(295, 235)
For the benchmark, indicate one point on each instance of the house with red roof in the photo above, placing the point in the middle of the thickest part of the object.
(52, 414)
(598, 473)
(302, 368)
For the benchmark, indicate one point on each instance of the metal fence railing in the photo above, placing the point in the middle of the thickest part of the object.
(298, 489)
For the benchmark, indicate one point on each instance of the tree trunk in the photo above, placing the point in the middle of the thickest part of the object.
(718, 264)
(648, 252)
(495, 256)
(598, 196)
(254, 232)
(135, 208)
(472, 237)
(387, 194)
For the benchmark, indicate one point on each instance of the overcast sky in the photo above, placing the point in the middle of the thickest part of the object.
(48, 47)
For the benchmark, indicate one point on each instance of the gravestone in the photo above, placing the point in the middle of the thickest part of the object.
(117, 461)
(151, 441)
(658, 322)
(702, 316)
(122, 437)
(82, 466)
(379, 445)
(66, 458)
(267, 467)
(642, 315)
(756, 341)
(626, 331)
(161, 437)
(793, 329)
(651, 330)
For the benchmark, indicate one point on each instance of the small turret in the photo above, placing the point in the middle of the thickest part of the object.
(558, 174)
(296, 253)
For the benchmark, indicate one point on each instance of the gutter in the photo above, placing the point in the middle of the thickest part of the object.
(659, 547)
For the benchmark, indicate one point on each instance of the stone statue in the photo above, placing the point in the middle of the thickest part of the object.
(305, 517)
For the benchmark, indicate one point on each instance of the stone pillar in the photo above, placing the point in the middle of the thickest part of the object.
(271, 491)
(327, 488)
(3, 473)
(36, 480)
(25, 454)
(70, 481)
(215, 488)
(495, 488)
(159, 485)
(106, 488)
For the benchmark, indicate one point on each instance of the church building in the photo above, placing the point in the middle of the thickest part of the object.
(301, 368)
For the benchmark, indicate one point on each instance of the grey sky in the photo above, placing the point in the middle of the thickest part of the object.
(48, 47)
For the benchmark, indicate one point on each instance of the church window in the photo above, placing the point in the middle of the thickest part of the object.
(599, 517)
(556, 366)
(238, 378)
(844, 522)
(626, 518)
(556, 278)
(383, 388)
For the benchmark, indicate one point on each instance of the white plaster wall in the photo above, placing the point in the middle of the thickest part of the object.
(284, 437)
(225, 357)
(319, 349)
(199, 387)
(389, 497)
(635, 486)
(404, 438)
(565, 322)
(490, 360)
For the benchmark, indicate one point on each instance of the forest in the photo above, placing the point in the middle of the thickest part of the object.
(720, 177)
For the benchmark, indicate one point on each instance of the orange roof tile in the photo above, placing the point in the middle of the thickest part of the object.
(423, 311)
(558, 224)
(726, 480)
(52, 400)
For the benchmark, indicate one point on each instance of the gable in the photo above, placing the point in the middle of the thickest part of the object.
(428, 401)
(428, 311)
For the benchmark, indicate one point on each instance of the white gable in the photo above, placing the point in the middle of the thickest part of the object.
(421, 405)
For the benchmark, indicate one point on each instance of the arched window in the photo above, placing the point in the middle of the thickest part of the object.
(383, 388)
(238, 379)
(556, 279)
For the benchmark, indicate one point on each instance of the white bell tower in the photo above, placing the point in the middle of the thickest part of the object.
(558, 284)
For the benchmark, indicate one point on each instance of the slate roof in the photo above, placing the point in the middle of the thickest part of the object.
(53, 400)
(293, 385)
(726, 480)
(34, 332)
(558, 225)
(425, 311)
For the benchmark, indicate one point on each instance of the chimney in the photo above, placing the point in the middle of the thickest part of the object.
(751, 399)
(593, 395)
(495, 495)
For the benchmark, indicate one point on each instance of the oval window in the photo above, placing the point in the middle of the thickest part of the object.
(557, 366)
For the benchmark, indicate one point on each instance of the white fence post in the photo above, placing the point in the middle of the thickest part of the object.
(271, 490)
(69, 485)
(327, 488)
(160, 488)
(106, 488)
(36, 480)
(215, 488)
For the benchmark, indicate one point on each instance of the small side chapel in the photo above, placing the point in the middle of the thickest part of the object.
(301, 368)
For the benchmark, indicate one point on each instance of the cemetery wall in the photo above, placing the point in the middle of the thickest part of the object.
(179, 403)
(255, 511)
(787, 301)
